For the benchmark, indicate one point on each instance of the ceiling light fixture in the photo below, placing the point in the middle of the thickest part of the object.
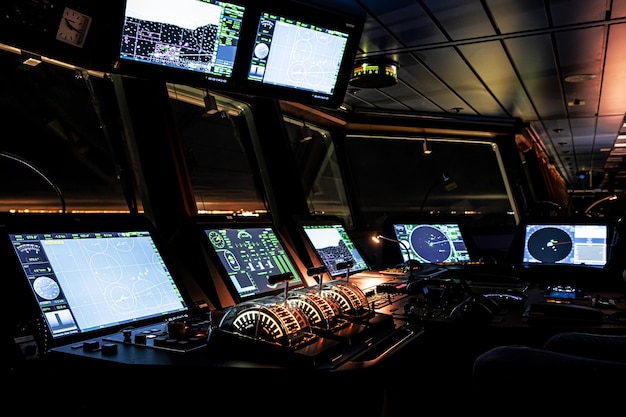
(426, 148)
(374, 73)
(577, 78)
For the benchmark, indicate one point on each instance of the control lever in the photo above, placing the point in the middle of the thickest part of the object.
(286, 277)
(316, 272)
(345, 265)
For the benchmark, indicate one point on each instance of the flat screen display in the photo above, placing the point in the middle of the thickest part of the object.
(334, 246)
(250, 256)
(438, 243)
(196, 37)
(566, 244)
(93, 281)
(301, 59)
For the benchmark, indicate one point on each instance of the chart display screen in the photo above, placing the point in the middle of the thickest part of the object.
(298, 56)
(334, 246)
(199, 37)
(88, 281)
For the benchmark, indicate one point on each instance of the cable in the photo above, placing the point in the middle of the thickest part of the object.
(37, 171)
(449, 185)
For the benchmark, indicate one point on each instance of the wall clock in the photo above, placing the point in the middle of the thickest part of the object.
(73, 27)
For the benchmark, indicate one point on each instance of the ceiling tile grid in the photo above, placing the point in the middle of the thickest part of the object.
(509, 58)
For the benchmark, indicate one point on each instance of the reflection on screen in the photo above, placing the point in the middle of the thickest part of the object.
(333, 245)
(581, 244)
(93, 281)
(193, 35)
(298, 55)
(433, 243)
(250, 255)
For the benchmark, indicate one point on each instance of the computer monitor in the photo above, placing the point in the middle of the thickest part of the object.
(181, 40)
(94, 278)
(566, 243)
(436, 242)
(251, 257)
(334, 246)
(302, 53)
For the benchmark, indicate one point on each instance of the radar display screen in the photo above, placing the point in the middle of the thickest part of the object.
(568, 244)
(433, 243)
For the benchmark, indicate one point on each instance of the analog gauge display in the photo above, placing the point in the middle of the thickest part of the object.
(549, 245)
(261, 51)
(216, 240)
(431, 244)
(46, 288)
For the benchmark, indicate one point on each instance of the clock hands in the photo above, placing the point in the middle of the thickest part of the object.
(70, 24)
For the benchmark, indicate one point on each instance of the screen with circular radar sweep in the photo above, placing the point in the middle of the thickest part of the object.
(567, 244)
(437, 243)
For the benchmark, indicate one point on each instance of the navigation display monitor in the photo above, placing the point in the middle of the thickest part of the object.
(199, 37)
(334, 246)
(250, 256)
(95, 280)
(438, 243)
(567, 244)
(304, 56)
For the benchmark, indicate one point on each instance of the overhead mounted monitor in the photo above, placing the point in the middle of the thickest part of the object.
(278, 49)
(188, 41)
(302, 53)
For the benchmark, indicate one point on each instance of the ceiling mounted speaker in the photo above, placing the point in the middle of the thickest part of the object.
(374, 73)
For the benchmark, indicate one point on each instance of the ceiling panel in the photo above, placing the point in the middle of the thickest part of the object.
(612, 99)
(619, 9)
(508, 58)
(490, 62)
(533, 58)
(569, 12)
(518, 16)
(461, 19)
(455, 73)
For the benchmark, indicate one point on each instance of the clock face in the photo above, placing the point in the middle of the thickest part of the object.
(73, 27)
(46, 288)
